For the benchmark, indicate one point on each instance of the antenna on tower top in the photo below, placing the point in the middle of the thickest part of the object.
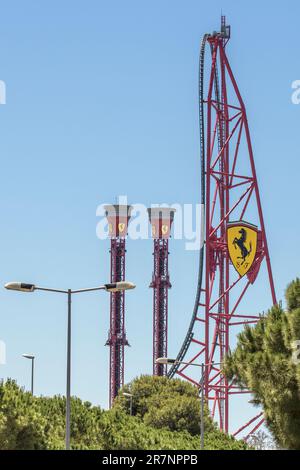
(225, 30)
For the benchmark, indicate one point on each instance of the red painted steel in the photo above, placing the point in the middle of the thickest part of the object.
(161, 222)
(118, 219)
(160, 284)
(231, 194)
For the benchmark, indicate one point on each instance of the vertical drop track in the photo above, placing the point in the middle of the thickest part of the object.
(229, 194)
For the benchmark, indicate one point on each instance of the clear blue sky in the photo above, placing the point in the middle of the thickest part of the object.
(102, 101)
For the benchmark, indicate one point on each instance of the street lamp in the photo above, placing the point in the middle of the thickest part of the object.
(130, 396)
(168, 361)
(31, 357)
(25, 287)
(112, 287)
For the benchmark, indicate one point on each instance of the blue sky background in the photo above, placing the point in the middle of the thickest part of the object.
(102, 101)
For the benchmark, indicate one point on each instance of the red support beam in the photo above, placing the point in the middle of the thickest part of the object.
(228, 205)
(118, 218)
(161, 221)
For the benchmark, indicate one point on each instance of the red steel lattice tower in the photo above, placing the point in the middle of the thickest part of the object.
(118, 218)
(161, 220)
(234, 242)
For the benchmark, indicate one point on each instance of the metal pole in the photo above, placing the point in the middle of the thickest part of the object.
(68, 392)
(202, 407)
(32, 374)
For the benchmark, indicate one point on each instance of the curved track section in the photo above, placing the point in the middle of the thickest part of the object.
(189, 336)
(230, 203)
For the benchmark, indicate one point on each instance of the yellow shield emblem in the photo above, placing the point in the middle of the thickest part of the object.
(121, 227)
(242, 245)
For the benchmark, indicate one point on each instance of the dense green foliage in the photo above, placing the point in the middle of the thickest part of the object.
(28, 422)
(263, 361)
(164, 403)
(173, 405)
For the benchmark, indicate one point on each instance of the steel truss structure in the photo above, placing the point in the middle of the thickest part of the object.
(229, 192)
(118, 218)
(160, 284)
(161, 220)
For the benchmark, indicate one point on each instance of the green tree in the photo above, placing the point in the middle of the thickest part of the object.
(263, 361)
(22, 425)
(28, 422)
(165, 403)
(173, 405)
(122, 432)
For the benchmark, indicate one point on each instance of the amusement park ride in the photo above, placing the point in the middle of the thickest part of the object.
(161, 220)
(118, 217)
(234, 243)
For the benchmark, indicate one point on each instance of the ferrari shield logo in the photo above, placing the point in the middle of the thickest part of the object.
(242, 245)
(121, 227)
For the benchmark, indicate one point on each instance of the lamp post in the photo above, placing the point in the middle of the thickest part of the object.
(32, 358)
(25, 287)
(130, 396)
(168, 361)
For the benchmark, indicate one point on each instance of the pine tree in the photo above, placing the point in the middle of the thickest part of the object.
(265, 362)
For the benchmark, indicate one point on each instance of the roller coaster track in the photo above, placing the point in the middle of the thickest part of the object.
(189, 336)
(223, 128)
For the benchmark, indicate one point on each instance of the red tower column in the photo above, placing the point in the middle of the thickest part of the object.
(234, 243)
(161, 221)
(118, 218)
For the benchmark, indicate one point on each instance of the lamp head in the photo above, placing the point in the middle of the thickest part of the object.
(28, 356)
(20, 286)
(119, 286)
(165, 360)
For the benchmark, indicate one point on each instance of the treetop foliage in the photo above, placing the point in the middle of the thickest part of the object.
(264, 361)
(38, 423)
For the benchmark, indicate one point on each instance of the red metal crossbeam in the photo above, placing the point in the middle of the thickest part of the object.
(118, 217)
(160, 284)
(231, 195)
